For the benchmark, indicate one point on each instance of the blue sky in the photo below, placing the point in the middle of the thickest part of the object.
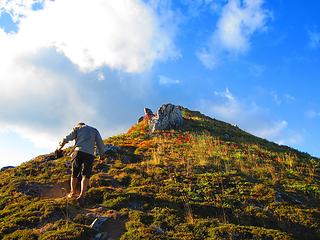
(253, 63)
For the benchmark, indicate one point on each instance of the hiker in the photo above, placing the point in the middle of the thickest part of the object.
(83, 155)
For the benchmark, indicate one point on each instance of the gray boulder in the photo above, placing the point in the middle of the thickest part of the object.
(111, 148)
(6, 168)
(168, 117)
(148, 113)
(102, 236)
(98, 223)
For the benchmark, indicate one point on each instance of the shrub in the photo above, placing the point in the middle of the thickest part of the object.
(236, 232)
(22, 235)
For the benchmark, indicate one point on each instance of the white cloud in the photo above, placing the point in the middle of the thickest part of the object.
(124, 35)
(273, 129)
(78, 60)
(292, 139)
(101, 76)
(13, 152)
(275, 97)
(36, 101)
(164, 80)
(18, 9)
(314, 39)
(208, 59)
(289, 98)
(250, 117)
(227, 94)
(196, 6)
(239, 20)
(282, 98)
(312, 114)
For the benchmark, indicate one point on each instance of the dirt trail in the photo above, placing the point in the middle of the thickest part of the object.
(114, 226)
(54, 191)
(45, 191)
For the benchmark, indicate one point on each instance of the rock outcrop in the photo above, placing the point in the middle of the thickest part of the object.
(167, 117)
(148, 114)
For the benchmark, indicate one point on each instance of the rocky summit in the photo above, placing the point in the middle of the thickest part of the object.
(176, 174)
(167, 117)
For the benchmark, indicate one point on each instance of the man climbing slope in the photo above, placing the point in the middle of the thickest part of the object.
(86, 138)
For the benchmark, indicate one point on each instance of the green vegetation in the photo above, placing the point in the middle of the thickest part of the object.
(208, 180)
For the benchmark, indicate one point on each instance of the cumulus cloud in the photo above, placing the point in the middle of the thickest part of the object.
(123, 35)
(77, 60)
(36, 99)
(249, 116)
(238, 21)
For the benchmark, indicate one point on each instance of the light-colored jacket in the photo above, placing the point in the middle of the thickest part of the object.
(86, 138)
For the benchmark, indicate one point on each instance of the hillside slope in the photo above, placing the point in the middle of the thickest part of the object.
(207, 180)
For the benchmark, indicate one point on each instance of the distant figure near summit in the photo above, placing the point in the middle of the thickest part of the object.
(86, 138)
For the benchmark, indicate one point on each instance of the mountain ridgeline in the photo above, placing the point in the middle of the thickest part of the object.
(206, 179)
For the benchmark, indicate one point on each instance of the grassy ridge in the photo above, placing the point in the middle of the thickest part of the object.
(208, 180)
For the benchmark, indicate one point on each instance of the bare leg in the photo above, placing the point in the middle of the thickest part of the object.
(73, 185)
(84, 186)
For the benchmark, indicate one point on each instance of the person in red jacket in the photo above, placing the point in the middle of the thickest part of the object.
(86, 138)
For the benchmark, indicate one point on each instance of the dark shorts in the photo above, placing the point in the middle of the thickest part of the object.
(82, 164)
